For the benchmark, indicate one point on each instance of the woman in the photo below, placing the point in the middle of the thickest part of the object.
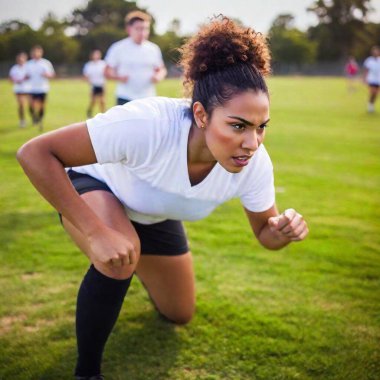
(143, 167)
(372, 76)
(17, 75)
(93, 71)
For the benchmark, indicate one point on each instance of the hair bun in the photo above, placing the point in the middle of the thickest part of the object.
(222, 43)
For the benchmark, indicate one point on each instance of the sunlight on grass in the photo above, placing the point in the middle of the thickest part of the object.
(310, 311)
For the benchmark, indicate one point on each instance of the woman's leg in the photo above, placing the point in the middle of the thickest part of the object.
(103, 288)
(373, 91)
(20, 109)
(102, 102)
(169, 281)
(91, 105)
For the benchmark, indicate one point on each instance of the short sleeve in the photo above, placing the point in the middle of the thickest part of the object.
(49, 67)
(129, 134)
(85, 69)
(12, 72)
(258, 193)
(366, 63)
(159, 59)
(111, 57)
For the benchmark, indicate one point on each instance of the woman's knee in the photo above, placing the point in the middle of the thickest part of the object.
(179, 317)
(122, 270)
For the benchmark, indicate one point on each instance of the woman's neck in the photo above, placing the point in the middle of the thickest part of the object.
(199, 158)
(197, 150)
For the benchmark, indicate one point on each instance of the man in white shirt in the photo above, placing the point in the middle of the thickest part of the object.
(372, 76)
(135, 62)
(93, 71)
(38, 70)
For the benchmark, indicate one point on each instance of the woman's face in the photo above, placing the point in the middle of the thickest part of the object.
(235, 130)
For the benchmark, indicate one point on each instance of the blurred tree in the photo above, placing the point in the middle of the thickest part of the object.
(107, 13)
(365, 39)
(16, 36)
(99, 38)
(58, 47)
(169, 42)
(340, 21)
(288, 44)
(12, 26)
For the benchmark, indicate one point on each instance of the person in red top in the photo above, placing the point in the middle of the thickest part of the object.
(351, 70)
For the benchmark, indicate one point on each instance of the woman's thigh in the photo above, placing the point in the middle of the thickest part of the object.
(169, 281)
(109, 209)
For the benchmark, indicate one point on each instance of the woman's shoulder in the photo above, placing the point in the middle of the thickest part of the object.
(159, 107)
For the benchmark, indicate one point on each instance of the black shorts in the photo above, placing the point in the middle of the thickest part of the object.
(374, 85)
(166, 238)
(97, 90)
(38, 96)
(121, 101)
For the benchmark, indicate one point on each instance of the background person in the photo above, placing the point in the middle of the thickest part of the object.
(372, 76)
(18, 76)
(351, 70)
(94, 73)
(39, 70)
(135, 62)
(140, 169)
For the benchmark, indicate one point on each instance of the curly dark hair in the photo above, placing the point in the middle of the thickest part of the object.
(224, 59)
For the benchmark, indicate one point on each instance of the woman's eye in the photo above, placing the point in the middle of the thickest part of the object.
(262, 127)
(239, 127)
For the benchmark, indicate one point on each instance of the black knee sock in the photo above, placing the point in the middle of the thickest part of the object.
(99, 302)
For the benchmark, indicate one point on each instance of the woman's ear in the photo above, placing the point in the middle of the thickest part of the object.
(200, 115)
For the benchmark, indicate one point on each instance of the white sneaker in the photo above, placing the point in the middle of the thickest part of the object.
(371, 108)
(22, 124)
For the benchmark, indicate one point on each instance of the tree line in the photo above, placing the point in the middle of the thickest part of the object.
(343, 30)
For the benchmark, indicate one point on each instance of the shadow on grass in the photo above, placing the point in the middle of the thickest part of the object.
(141, 347)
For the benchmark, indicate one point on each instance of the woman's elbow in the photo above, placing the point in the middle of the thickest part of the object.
(27, 152)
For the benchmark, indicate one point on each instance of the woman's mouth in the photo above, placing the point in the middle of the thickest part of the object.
(241, 160)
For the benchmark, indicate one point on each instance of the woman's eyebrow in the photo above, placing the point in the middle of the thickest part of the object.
(246, 121)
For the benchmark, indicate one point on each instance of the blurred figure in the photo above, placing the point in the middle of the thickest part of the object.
(17, 75)
(39, 70)
(351, 70)
(372, 76)
(94, 73)
(135, 62)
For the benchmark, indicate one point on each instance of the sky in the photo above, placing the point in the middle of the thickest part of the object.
(258, 14)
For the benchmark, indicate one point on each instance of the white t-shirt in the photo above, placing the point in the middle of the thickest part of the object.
(18, 73)
(138, 62)
(141, 149)
(372, 64)
(35, 69)
(94, 71)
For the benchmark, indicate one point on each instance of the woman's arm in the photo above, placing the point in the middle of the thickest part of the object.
(44, 159)
(274, 230)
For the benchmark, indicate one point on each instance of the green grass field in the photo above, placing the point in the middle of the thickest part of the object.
(310, 311)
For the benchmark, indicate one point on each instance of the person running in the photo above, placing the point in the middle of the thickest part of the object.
(39, 70)
(135, 62)
(94, 73)
(372, 76)
(351, 69)
(137, 171)
(17, 75)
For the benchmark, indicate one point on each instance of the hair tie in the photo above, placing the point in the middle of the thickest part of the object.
(203, 67)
